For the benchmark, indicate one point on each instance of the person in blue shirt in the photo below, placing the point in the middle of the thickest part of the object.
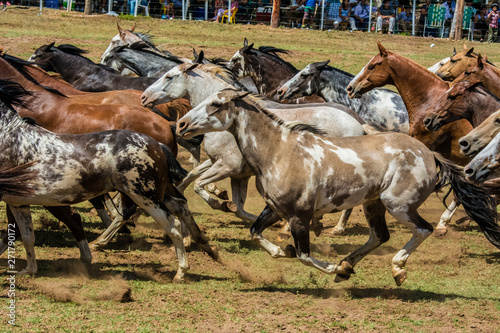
(359, 20)
(405, 19)
(449, 5)
(309, 9)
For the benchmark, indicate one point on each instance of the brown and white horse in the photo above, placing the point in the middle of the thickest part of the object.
(302, 175)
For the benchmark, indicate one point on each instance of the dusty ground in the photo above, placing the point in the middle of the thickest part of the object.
(453, 282)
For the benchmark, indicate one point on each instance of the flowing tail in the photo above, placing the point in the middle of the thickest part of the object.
(17, 180)
(476, 200)
(175, 170)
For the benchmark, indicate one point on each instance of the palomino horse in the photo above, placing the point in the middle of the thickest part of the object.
(480, 136)
(465, 100)
(458, 64)
(384, 172)
(200, 81)
(82, 73)
(483, 72)
(485, 165)
(381, 108)
(267, 70)
(74, 168)
(420, 90)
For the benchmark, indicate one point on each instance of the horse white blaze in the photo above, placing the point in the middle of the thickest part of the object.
(360, 73)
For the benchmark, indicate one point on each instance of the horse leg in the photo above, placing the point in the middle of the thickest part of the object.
(239, 189)
(266, 218)
(22, 214)
(340, 227)
(379, 234)
(11, 221)
(420, 228)
(441, 228)
(299, 226)
(316, 226)
(193, 175)
(73, 221)
(179, 207)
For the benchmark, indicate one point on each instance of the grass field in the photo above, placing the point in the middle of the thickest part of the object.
(453, 282)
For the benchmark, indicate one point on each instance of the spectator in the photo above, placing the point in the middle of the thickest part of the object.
(481, 22)
(219, 4)
(353, 3)
(493, 18)
(405, 19)
(386, 15)
(359, 21)
(423, 15)
(343, 13)
(449, 5)
(309, 10)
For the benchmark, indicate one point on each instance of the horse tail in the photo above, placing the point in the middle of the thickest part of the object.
(175, 171)
(16, 180)
(476, 200)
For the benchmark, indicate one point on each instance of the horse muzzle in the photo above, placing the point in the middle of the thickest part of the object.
(183, 130)
(353, 93)
(432, 123)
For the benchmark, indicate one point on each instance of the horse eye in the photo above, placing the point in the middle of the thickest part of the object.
(497, 121)
(371, 66)
(452, 97)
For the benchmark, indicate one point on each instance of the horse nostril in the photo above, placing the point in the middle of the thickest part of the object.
(463, 143)
(427, 121)
(349, 88)
(181, 125)
(281, 92)
(469, 171)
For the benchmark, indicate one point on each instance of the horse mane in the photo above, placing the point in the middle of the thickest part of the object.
(145, 47)
(71, 49)
(222, 72)
(272, 52)
(21, 67)
(485, 91)
(12, 93)
(294, 126)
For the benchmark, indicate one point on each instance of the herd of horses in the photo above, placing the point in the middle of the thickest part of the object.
(318, 140)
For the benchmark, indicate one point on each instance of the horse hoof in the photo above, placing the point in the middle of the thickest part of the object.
(229, 206)
(212, 251)
(178, 280)
(341, 277)
(95, 246)
(400, 277)
(318, 229)
(290, 251)
(26, 272)
(282, 237)
(440, 232)
(346, 268)
(222, 195)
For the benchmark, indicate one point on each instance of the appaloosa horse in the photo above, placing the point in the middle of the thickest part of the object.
(420, 91)
(74, 168)
(16, 180)
(384, 172)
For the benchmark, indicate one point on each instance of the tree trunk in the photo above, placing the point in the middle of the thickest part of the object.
(458, 17)
(275, 17)
(88, 7)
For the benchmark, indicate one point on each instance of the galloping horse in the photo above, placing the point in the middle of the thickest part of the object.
(74, 168)
(381, 108)
(420, 90)
(267, 70)
(82, 73)
(384, 172)
(199, 81)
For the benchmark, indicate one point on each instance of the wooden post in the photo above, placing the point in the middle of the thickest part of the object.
(458, 18)
(88, 7)
(275, 17)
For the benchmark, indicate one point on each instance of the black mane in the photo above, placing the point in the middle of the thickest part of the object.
(272, 52)
(12, 93)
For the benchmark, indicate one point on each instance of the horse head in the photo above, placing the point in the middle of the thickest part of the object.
(376, 73)
(480, 136)
(457, 64)
(42, 56)
(304, 83)
(486, 164)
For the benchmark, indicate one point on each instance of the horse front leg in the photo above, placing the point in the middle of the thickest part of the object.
(193, 175)
(266, 218)
(22, 214)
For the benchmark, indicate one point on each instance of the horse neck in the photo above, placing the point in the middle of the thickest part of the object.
(72, 67)
(418, 87)
(45, 79)
(481, 105)
(268, 73)
(201, 86)
(332, 87)
(489, 77)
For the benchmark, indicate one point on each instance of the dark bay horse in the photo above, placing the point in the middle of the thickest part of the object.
(384, 172)
(74, 168)
(381, 108)
(267, 69)
(420, 90)
(82, 73)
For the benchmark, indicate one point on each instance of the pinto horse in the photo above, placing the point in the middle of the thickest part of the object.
(82, 73)
(384, 172)
(74, 168)
(420, 90)
(267, 70)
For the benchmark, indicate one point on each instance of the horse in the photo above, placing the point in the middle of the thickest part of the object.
(482, 71)
(74, 168)
(420, 90)
(198, 81)
(458, 63)
(141, 60)
(384, 172)
(479, 137)
(381, 108)
(485, 165)
(267, 70)
(465, 100)
(82, 73)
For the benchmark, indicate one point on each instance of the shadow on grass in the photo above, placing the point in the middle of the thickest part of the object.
(405, 295)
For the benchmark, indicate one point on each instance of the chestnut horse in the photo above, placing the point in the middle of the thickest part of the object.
(480, 136)
(458, 64)
(420, 90)
(482, 71)
(384, 172)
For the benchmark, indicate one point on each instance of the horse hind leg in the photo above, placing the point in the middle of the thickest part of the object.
(379, 234)
(239, 188)
(266, 218)
(11, 220)
(22, 214)
(442, 226)
(341, 225)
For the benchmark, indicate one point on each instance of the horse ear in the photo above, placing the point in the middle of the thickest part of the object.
(245, 42)
(485, 58)
(454, 51)
(480, 63)
(381, 48)
(190, 67)
(242, 93)
(469, 52)
(250, 46)
(133, 28)
(465, 47)
(321, 65)
(199, 58)
(195, 54)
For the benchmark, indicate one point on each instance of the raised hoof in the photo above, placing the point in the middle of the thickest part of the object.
(318, 229)
(346, 268)
(290, 251)
(212, 251)
(400, 277)
(440, 232)
(222, 195)
(282, 237)
(342, 277)
(229, 206)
